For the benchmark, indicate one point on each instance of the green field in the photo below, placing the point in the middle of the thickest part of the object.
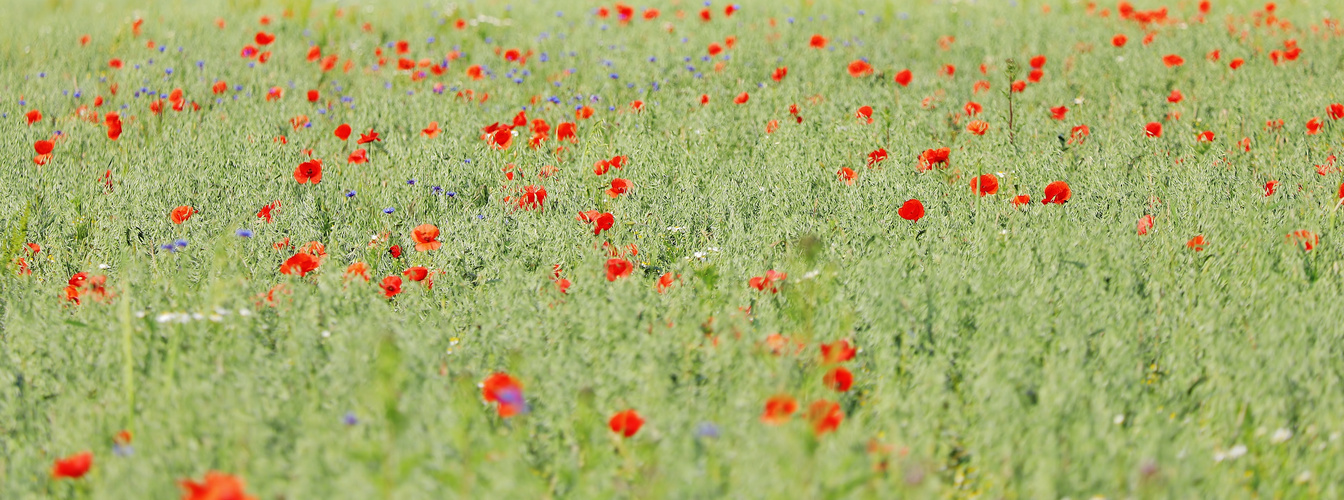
(1004, 350)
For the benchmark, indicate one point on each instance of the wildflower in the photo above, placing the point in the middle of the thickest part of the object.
(778, 409)
(1304, 239)
(181, 214)
(1197, 243)
(426, 238)
(506, 393)
(839, 351)
(73, 466)
(308, 172)
(847, 175)
(357, 270)
(1057, 192)
(343, 131)
(215, 486)
(1152, 129)
(625, 423)
(1314, 126)
(860, 68)
(977, 127)
(767, 282)
(911, 210)
(825, 416)
(986, 184)
(1145, 224)
(391, 286)
(903, 77)
(618, 268)
(619, 186)
(839, 379)
(300, 263)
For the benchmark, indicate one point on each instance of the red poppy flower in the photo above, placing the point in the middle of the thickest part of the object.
(715, 49)
(911, 210)
(357, 270)
(877, 156)
(417, 273)
(839, 379)
(767, 282)
(426, 238)
(431, 131)
(741, 98)
(566, 132)
(1037, 62)
(391, 286)
(1304, 239)
(265, 212)
(1057, 192)
(1145, 224)
(73, 466)
(986, 184)
(533, 197)
(358, 157)
(860, 68)
(665, 281)
(1035, 76)
(1058, 113)
(301, 264)
(33, 117)
(864, 113)
(1172, 60)
(506, 392)
(1205, 136)
(1270, 187)
(949, 70)
(309, 171)
(1175, 96)
(1335, 111)
(839, 351)
(1314, 126)
(619, 187)
(778, 409)
(215, 486)
(1197, 243)
(625, 423)
(825, 416)
(1021, 200)
(181, 214)
(779, 73)
(44, 147)
(394, 251)
(847, 175)
(931, 157)
(817, 42)
(973, 108)
(343, 131)
(264, 38)
(1019, 86)
(368, 137)
(583, 113)
(1119, 40)
(618, 268)
(903, 77)
(1152, 129)
(977, 127)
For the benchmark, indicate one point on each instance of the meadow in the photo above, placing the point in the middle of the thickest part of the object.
(794, 249)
